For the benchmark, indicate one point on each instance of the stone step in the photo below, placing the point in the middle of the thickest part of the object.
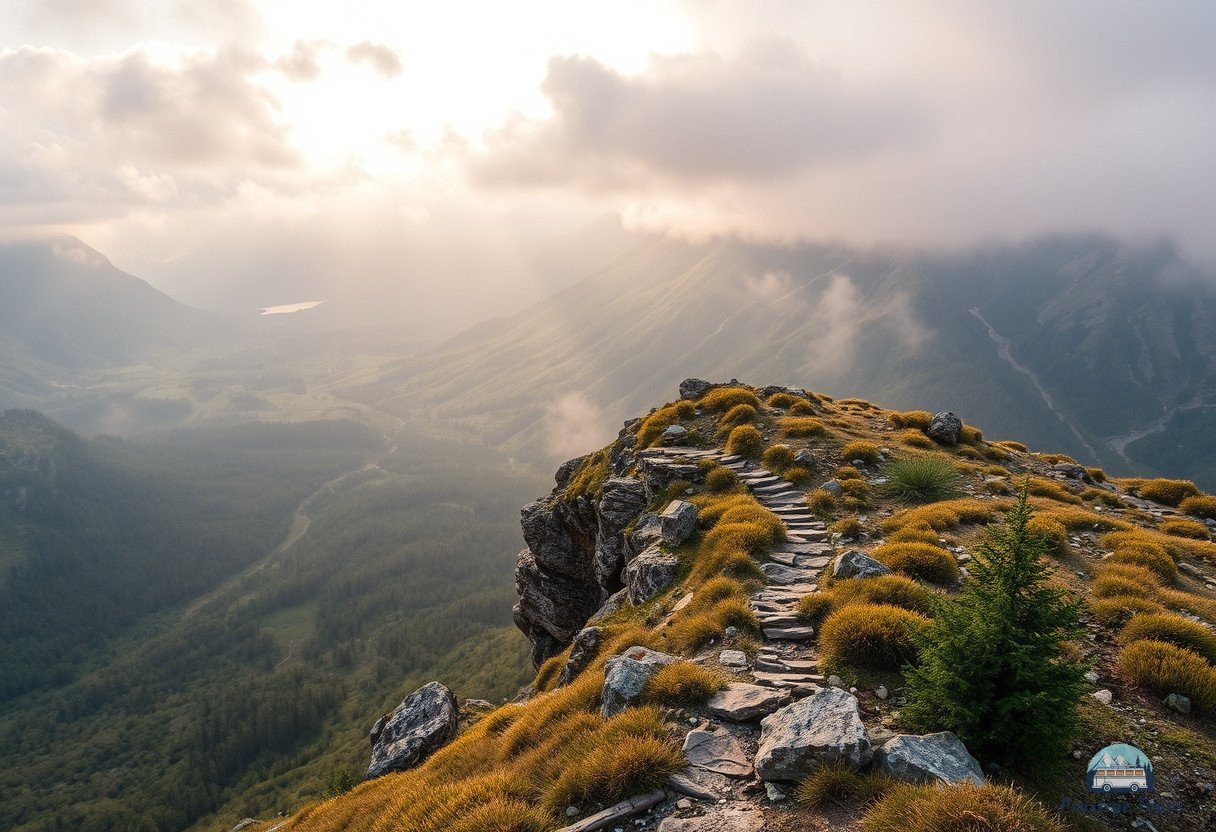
(782, 498)
(810, 547)
(784, 575)
(789, 633)
(771, 667)
(803, 525)
(803, 665)
(789, 678)
(778, 486)
(726, 459)
(786, 620)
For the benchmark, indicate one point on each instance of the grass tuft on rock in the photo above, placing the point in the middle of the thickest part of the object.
(745, 441)
(838, 785)
(919, 480)
(873, 636)
(1165, 668)
(682, 683)
(859, 449)
(920, 560)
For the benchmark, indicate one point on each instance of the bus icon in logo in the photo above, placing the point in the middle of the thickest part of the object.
(1120, 768)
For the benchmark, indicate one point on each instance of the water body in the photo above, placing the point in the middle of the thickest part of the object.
(289, 308)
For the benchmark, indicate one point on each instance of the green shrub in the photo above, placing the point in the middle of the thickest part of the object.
(801, 427)
(860, 449)
(682, 683)
(1174, 629)
(721, 399)
(993, 666)
(839, 785)
(1202, 506)
(921, 480)
(777, 458)
(746, 441)
(895, 590)
(1181, 527)
(960, 808)
(1051, 532)
(1165, 668)
(877, 636)
(920, 560)
(740, 414)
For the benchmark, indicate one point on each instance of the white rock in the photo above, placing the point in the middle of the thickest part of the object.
(1104, 696)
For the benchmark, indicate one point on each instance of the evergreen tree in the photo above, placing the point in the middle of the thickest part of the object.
(993, 667)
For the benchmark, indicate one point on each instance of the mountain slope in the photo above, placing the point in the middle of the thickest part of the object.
(1101, 339)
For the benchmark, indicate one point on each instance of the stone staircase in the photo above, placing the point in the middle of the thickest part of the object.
(785, 662)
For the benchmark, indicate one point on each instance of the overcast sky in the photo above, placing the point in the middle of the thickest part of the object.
(145, 126)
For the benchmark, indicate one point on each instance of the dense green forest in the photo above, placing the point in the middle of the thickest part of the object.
(216, 673)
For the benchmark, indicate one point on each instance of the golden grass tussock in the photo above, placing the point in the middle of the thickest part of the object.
(1132, 572)
(971, 435)
(1077, 518)
(798, 474)
(1199, 605)
(862, 450)
(1184, 527)
(1174, 629)
(872, 636)
(848, 527)
(777, 458)
(948, 514)
(682, 683)
(1203, 507)
(1112, 586)
(918, 419)
(1051, 531)
(1096, 474)
(653, 426)
(920, 560)
(783, 401)
(589, 478)
(800, 427)
(1013, 446)
(549, 670)
(821, 503)
(965, 807)
(915, 534)
(1165, 668)
(1149, 556)
(848, 472)
(740, 414)
(801, 408)
(721, 399)
(746, 441)
(914, 439)
(838, 785)
(896, 590)
(1114, 612)
(1052, 490)
(1166, 492)
(721, 480)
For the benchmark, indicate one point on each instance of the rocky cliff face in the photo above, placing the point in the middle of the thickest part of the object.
(582, 536)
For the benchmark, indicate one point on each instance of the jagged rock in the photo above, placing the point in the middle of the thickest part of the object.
(694, 388)
(833, 487)
(929, 758)
(823, 728)
(741, 702)
(625, 677)
(716, 751)
(552, 607)
(805, 458)
(647, 530)
(677, 522)
(675, 432)
(565, 471)
(424, 722)
(1178, 702)
(377, 729)
(1071, 470)
(622, 499)
(855, 564)
(944, 428)
(699, 783)
(613, 603)
(477, 705)
(722, 818)
(650, 573)
(582, 651)
(732, 658)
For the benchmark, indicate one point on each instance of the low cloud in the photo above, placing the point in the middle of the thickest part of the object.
(574, 425)
(844, 316)
(383, 59)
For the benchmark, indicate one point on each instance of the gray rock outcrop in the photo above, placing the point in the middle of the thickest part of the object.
(424, 722)
(929, 759)
(823, 728)
(944, 428)
(677, 522)
(626, 675)
(582, 651)
(716, 751)
(855, 564)
(694, 388)
(649, 574)
(621, 501)
(743, 702)
(646, 531)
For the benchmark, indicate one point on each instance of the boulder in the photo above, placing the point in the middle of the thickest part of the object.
(582, 651)
(626, 675)
(833, 487)
(855, 564)
(1104, 696)
(928, 759)
(742, 702)
(552, 607)
(377, 730)
(649, 573)
(716, 751)
(647, 530)
(944, 428)
(1178, 702)
(677, 522)
(731, 817)
(732, 658)
(565, 471)
(821, 729)
(694, 388)
(805, 458)
(424, 722)
(622, 499)
(1071, 470)
(675, 432)
(614, 602)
